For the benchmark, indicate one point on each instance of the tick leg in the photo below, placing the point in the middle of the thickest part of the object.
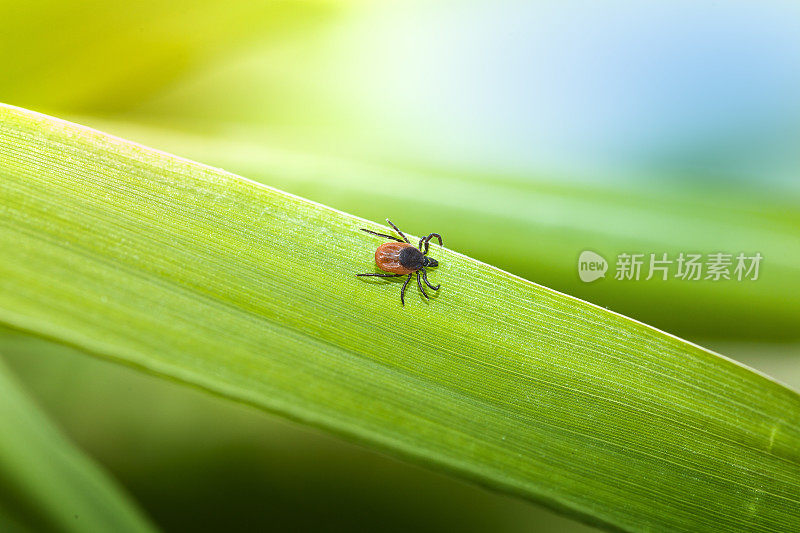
(397, 230)
(419, 284)
(427, 240)
(382, 275)
(425, 278)
(403, 290)
(381, 235)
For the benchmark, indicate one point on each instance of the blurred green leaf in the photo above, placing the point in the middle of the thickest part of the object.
(198, 275)
(109, 57)
(46, 484)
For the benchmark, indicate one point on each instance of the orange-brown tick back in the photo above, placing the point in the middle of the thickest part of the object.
(401, 258)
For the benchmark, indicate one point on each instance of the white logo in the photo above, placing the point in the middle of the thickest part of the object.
(591, 266)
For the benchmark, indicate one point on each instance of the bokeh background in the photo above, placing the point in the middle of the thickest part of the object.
(524, 132)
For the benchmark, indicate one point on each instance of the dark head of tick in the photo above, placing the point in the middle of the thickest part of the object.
(401, 258)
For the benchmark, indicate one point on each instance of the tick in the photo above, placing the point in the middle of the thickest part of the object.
(400, 259)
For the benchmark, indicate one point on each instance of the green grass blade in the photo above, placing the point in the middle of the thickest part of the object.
(45, 483)
(201, 276)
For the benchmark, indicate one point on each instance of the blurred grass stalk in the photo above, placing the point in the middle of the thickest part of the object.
(46, 484)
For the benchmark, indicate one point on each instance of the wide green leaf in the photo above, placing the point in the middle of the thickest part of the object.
(45, 483)
(195, 274)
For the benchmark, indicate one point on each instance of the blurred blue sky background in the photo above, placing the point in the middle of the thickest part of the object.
(589, 89)
(681, 90)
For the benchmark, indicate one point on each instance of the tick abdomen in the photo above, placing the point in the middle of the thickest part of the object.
(398, 258)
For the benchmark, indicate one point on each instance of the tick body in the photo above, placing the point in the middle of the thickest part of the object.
(398, 258)
(401, 258)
